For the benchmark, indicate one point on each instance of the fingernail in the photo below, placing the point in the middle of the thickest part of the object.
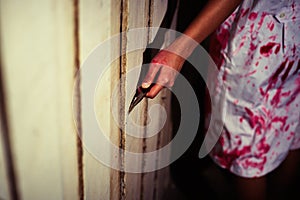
(145, 85)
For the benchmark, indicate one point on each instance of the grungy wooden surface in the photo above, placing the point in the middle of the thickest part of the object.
(38, 66)
(95, 19)
(43, 44)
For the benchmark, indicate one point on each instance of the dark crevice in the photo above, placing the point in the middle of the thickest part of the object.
(123, 64)
(79, 128)
(146, 61)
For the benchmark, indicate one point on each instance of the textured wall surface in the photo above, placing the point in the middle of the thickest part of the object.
(43, 44)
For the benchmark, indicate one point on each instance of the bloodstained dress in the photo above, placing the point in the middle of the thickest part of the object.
(257, 50)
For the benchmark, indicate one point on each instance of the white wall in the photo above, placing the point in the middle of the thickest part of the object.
(42, 43)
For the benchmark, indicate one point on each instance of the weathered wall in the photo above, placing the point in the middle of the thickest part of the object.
(43, 43)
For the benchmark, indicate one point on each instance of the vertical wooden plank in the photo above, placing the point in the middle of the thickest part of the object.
(138, 17)
(116, 182)
(163, 179)
(37, 51)
(68, 137)
(142, 14)
(122, 99)
(152, 180)
(98, 21)
(93, 26)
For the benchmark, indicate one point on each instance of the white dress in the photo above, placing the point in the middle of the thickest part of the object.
(257, 50)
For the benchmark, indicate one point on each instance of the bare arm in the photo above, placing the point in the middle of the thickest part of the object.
(211, 16)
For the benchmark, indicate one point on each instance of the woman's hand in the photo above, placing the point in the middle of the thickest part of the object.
(162, 72)
(167, 63)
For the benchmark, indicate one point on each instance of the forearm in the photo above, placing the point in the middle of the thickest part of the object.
(211, 16)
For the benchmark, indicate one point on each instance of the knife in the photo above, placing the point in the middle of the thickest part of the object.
(139, 95)
(150, 52)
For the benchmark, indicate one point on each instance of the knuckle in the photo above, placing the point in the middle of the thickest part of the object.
(171, 83)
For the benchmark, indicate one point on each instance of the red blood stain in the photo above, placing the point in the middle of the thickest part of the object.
(287, 71)
(222, 141)
(294, 50)
(227, 157)
(293, 7)
(214, 50)
(223, 37)
(266, 50)
(277, 49)
(276, 133)
(293, 97)
(253, 16)
(278, 71)
(277, 97)
(267, 112)
(224, 77)
(287, 128)
(160, 59)
(256, 64)
(263, 122)
(274, 78)
(255, 121)
(241, 119)
(240, 45)
(250, 73)
(244, 12)
(252, 28)
(252, 47)
(258, 165)
(239, 142)
(262, 147)
(271, 26)
(263, 15)
(273, 37)
(290, 136)
(278, 119)
(297, 69)
(241, 29)
(262, 92)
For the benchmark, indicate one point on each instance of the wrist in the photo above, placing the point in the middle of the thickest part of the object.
(183, 46)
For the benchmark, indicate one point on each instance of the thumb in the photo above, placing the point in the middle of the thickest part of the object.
(151, 74)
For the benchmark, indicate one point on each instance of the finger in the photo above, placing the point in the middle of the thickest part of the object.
(154, 91)
(153, 69)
